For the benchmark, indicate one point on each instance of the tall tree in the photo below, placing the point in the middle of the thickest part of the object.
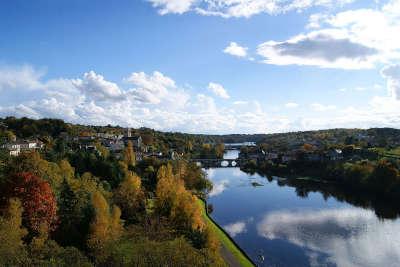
(130, 197)
(129, 155)
(37, 199)
(105, 227)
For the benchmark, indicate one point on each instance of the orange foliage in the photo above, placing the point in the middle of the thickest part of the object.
(38, 201)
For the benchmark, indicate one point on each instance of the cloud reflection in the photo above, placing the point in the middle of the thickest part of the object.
(351, 237)
(218, 187)
(236, 228)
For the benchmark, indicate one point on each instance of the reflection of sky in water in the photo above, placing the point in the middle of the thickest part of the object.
(293, 231)
(351, 236)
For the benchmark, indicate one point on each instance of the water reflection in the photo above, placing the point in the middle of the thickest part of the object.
(304, 223)
(236, 228)
(218, 187)
(350, 237)
(383, 209)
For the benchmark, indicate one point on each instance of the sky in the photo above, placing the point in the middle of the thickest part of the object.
(203, 66)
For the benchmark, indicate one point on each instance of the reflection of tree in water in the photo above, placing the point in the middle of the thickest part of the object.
(384, 209)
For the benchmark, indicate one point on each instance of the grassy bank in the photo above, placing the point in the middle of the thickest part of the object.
(224, 239)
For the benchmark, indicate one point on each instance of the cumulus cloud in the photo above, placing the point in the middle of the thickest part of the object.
(352, 39)
(240, 8)
(155, 88)
(218, 90)
(236, 50)
(392, 75)
(151, 100)
(324, 48)
(92, 99)
(349, 237)
(97, 87)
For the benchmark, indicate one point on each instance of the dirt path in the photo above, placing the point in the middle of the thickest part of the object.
(228, 257)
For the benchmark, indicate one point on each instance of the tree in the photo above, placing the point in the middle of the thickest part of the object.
(12, 248)
(33, 163)
(69, 216)
(105, 153)
(130, 197)
(175, 202)
(38, 201)
(384, 176)
(105, 227)
(129, 155)
(219, 150)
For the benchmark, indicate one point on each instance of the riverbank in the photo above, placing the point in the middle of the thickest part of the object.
(230, 250)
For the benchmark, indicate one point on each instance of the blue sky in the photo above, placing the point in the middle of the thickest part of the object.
(218, 66)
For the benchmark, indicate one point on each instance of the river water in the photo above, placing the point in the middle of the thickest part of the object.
(291, 228)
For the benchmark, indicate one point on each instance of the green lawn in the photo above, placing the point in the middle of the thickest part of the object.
(224, 238)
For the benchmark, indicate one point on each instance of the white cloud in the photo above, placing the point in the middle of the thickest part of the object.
(291, 105)
(172, 6)
(352, 39)
(240, 8)
(92, 99)
(392, 75)
(155, 88)
(218, 90)
(97, 87)
(323, 48)
(23, 78)
(319, 107)
(236, 50)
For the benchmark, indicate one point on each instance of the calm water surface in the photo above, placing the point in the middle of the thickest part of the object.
(288, 230)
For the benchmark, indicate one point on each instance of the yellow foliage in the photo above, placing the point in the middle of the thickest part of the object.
(129, 155)
(174, 201)
(105, 227)
(12, 248)
(130, 196)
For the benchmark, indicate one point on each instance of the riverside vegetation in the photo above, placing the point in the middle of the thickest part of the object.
(66, 207)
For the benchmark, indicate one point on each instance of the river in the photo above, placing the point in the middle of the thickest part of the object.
(291, 228)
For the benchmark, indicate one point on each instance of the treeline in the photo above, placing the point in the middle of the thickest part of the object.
(380, 178)
(192, 143)
(62, 208)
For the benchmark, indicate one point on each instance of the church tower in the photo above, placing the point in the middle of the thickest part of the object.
(128, 132)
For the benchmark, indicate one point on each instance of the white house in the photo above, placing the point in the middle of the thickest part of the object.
(16, 147)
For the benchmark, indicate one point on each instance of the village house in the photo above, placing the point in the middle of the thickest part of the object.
(15, 148)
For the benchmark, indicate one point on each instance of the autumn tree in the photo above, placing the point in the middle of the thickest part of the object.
(130, 197)
(33, 163)
(105, 153)
(38, 201)
(175, 202)
(219, 150)
(12, 248)
(129, 155)
(105, 228)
